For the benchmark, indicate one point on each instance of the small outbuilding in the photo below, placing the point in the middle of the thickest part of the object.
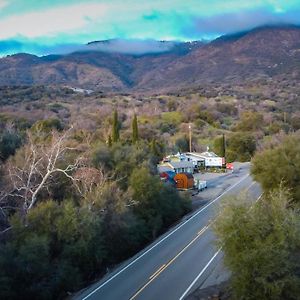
(184, 181)
(168, 177)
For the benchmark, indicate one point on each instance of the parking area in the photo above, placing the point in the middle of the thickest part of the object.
(217, 183)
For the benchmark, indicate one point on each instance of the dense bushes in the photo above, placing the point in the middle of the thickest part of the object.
(261, 248)
(261, 240)
(250, 121)
(279, 164)
(9, 143)
(60, 245)
(58, 249)
(157, 205)
(240, 147)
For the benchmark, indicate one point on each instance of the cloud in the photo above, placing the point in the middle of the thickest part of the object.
(134, 47)
(3, 3)
(106, 19)
(8, 46)
(52, 21)
(235, 22)
(62, 25)
(131, 46)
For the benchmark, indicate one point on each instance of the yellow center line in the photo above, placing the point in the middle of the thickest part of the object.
(164, 266)
(203, 229)
(157, 272)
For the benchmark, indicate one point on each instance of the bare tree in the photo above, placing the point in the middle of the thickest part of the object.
(29, 175)
(87, 178)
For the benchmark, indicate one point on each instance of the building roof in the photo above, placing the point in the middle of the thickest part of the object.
(206, 154)
(181, 164)
(195, 156)
(188, 175)
(164, 168)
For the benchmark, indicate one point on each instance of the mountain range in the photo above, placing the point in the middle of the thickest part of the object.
(264, 52)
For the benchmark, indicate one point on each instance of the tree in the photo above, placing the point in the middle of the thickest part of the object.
(109, 141)
(154, 149)
(30, 172)
(113, 204)
(47, 125)
(279, 164)
(241, 147)
(9, 143)
(156, 204)
(295, 122)
(146, 189)
(115, 127)
(250, 121)
(261, 246)
(220, 146)
(135, 133)
(182, 144)
(59, 248)
(172, 105)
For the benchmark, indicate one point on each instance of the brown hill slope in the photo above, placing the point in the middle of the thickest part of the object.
(265, 52)
(261, 53)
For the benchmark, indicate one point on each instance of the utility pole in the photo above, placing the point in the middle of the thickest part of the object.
(190, 136)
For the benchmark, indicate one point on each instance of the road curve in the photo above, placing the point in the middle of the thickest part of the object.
(175, 263)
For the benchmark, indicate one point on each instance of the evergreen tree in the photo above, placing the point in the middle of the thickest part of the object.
(115, 128)
(219, 146)
(135, 131)
(223, 148)
(153, 147)
(109, 141)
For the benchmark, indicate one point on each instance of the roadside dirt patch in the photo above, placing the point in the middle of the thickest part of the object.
(214, 292)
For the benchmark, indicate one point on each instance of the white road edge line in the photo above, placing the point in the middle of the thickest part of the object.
(203, 270)
(162, 240)
(199, 275)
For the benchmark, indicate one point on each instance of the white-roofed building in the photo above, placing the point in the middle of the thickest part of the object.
(205, 159)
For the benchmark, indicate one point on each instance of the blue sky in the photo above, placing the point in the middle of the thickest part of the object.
(49, 26)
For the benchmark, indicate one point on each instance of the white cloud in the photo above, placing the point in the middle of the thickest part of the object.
(108, 18)
(52, 21)
(130, 19)
(137, 47)
(3, 3)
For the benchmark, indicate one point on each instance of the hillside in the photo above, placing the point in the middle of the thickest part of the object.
(266, 52)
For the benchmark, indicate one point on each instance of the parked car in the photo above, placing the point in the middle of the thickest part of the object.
(200, 185)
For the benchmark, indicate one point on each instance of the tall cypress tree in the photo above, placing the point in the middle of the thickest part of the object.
(109, 141)
(223, 154)
(135, 130)
(115, 127)
(153, 147)
(220, 146)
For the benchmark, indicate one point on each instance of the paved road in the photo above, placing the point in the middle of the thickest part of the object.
(177, 262)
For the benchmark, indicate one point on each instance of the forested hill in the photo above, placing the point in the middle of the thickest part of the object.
(265, 52)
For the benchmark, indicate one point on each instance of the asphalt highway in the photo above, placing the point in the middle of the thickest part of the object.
(177, 262)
